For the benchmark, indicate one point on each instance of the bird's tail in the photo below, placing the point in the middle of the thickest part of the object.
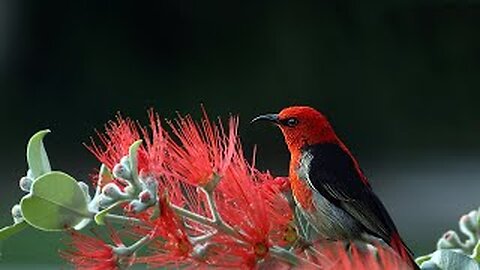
(399, 246)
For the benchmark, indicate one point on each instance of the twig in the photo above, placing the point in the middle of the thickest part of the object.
(290, 258)
(121, 219)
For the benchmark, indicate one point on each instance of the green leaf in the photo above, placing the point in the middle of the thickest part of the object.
(37, 158)
(422, 259)
(104, 176)
(447, 259)
(476, 252)
(133, 155)
(55, 203)
(100, 216)
(8, 231)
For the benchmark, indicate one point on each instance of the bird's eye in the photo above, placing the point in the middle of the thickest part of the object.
(291, 122)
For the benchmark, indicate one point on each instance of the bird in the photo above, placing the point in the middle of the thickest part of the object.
(328, 185)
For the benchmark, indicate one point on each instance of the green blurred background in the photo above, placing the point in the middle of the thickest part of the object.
(399, 81)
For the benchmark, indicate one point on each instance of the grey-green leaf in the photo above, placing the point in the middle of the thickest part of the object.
(133, 155)
(8, 231)
(55, 203)
(104, 176)
(422, 259)
(476, 252)
(100, 216)
(37, 158)
(447, 259)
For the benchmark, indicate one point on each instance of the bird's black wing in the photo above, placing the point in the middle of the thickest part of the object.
(332, 172)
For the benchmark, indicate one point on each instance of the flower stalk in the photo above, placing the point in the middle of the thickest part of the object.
(130, 250)
(122, 219)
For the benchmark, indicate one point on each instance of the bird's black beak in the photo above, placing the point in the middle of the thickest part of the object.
(273, 118)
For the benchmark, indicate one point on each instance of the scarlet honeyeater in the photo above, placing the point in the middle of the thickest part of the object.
(328, 184)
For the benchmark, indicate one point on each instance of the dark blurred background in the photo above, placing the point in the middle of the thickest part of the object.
(399, 81)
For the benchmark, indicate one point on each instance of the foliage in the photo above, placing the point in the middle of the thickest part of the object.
(453, 252)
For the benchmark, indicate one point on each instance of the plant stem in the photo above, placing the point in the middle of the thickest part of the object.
(121, 219)
(192, 216)
(140, 243)
(127, 251)
(216, 215)
(201, 239)
(289, 257)
(218, 225)
(212, 206)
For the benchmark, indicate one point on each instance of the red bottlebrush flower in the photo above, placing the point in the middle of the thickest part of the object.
(203, 149)
(250, 202)
(90, 253)
(244, 204)
(121, 134)
(115, 142)
(241, 206)
(274, 192)
(170, 244)
(226, 253)
(335, 256)
(151, 157)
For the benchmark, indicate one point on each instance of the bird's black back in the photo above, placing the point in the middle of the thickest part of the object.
(334, 174)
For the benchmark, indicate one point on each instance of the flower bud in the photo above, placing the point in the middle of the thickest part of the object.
(105, 201)
(25, 183)
(467, 226)
(151, 184)
(17, 213)
(113, 191)
(146, 197)
(449, 240)
(122, 171)
(137, 206)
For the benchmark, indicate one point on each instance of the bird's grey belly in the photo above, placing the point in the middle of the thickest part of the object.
(331, 222)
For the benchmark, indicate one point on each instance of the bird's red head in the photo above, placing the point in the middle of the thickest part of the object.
(301, 126)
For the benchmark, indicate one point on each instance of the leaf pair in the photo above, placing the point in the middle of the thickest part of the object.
(55, 201)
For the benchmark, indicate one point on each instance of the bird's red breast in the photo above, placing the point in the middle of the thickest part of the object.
(313, 128)
(300, 189)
